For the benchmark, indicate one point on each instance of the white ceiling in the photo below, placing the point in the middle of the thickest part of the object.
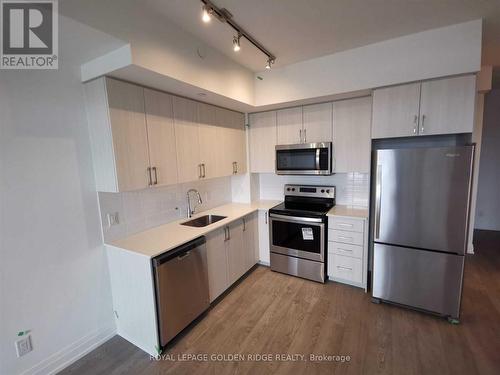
(297, 30)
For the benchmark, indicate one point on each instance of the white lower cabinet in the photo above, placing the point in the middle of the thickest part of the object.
(346, 268)
(217, 263)
(231, 252)
(348, 250)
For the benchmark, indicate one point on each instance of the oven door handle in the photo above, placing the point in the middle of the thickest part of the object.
(296, 218)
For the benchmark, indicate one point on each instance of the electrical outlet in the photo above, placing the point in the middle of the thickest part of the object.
(23, 346)
(113, 219)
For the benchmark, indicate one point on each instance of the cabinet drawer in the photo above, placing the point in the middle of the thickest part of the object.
(353, 238)
(354, 251)
(345, 223)
(347, 268)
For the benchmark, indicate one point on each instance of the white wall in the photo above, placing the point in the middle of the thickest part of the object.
(439, 52)
(488, 198)
(53, 270)
(144, 209)
(352, 189)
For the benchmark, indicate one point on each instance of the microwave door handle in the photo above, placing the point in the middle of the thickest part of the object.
(317, 158)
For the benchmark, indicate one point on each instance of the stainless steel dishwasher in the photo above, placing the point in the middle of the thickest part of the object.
(181, 285)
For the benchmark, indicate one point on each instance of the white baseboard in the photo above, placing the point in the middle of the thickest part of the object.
(71, 353)
(470, 249)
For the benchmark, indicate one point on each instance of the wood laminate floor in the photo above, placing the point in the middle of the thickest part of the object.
(271, 313)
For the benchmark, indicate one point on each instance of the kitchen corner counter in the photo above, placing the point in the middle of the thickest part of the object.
(158, 240)
(348, 211)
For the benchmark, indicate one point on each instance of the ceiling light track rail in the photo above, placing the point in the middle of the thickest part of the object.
(223, 15)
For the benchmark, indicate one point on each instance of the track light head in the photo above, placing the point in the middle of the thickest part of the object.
(236, 43)
(270, 62)
(206, 12)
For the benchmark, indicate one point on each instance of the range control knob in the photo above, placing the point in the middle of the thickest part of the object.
(322, 190)
(327, 191)
(287, 189)
(293, 189)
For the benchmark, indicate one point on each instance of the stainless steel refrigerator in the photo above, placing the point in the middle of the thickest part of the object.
(420, 226)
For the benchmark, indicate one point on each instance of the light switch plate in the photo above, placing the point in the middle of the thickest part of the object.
(113, 219)
(23, 346)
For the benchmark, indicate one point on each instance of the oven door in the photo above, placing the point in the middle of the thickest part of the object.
(300, 237)
(304, 159)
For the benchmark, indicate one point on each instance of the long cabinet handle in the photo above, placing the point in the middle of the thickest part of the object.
(422, 126)
(266, 216)
(415, 124)
(300, 135)
(225, 234)
(200, 175)
(150, 177)
(378, 200)
(155, 170)
(344, 268)
(305, 135)
(204, 172)
(244, 225)
(236, 166)
(345, 238)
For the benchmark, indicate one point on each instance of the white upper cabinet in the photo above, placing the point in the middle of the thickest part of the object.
(186, 139)
(144, 138)
(396, 111)
(230, 150)
(289, 124)
(447, 106)
(207, 136)
(317, 125)
(161, 137)
(442, 106)
(262, 142)
(130, 141)
(352, 142)
(119, 142)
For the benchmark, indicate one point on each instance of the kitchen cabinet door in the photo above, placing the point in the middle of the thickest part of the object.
(235, 251)
(232, 142)
(396, 111)
(217, 263)
(207, 136)
(240, 142)
(225, 148)
(187, 139)
(263, 241)
(262, 142)
(447, 106)
(352, 143)
(161, 137)
(289, 124)
(129, 133)
(318, 125)
(250, 240)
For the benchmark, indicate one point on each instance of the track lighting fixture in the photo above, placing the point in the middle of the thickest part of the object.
(206, 13)
(223, 15)
(236, 43)
(270, 62)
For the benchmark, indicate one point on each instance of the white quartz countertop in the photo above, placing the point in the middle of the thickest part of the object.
(158, 240)
(348, 211)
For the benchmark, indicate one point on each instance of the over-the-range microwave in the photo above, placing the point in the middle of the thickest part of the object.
(304, 159)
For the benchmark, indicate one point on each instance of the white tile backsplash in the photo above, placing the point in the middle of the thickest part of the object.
(144, 209)
(353, 189)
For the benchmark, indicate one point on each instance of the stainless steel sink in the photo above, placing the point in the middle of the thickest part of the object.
(203, 221)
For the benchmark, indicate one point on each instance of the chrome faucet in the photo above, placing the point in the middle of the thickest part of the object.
(190, 208)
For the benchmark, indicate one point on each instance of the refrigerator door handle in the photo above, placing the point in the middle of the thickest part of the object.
(378, 198)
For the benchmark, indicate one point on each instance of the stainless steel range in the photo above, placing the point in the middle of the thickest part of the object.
(298, 230)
